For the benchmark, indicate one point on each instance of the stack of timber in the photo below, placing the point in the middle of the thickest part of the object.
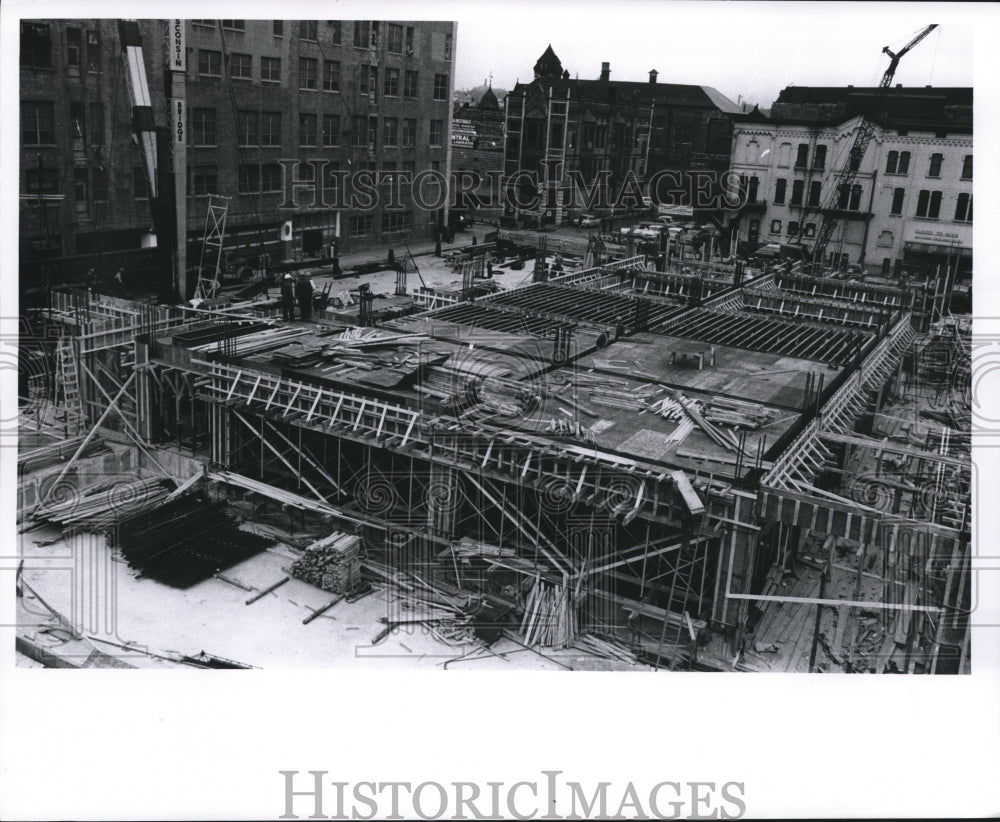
(608, 649)
(184, 541)
(737, 413)
(549, 616)
(332, 563)
(102, 505)
(56, 452)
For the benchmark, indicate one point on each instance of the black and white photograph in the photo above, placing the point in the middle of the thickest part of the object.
(585, 348)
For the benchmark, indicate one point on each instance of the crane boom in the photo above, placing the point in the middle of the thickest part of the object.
(863, 136)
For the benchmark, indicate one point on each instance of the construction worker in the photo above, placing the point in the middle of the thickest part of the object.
(287, 297)
(304, 296)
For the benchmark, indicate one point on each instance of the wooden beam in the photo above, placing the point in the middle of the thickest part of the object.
(836, 603)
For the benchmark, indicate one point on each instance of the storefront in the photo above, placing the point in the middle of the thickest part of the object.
(933, 251)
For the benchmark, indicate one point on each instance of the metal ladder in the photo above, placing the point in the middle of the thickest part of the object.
(211, 249)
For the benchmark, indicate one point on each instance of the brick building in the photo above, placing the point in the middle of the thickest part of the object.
(910, 207)
(262, 97)
(477, 145)
(605, 125)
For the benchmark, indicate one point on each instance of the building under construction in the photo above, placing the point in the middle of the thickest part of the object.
(709, 469)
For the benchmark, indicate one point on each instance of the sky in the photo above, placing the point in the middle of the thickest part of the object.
(748, 51)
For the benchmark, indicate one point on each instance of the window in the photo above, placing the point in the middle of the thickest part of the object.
(235, 25)
(437, 132)
(784, 155)
(278, 28)
(780, 186)
(270, 128)
(37, 126)
(362, 34)
(885, 238)
(361, 226)
(797, 188)
(41, 181)
(74, 47)
(307, 130)
(409, 40)
(854, 200)
(305, 173)
(390, 83)
(203, 132)
(394, 40)
(36, 46)
(447, 47)
(390, 131)
(897, 162)
(249, 179)
(241, 66)
(929, 204)
(793, 228)
(365, 78)
(372, 130)
(967, 167)
(331, 75)
(209, 63)
(210, 24)
(819, 158)
(307, 72)
(815, 191)
(139, 188)
(336, 31)
(753, 189)
(935, 166)
(93, 50)
(408, 166)
(359, 131)
(270, 177)
(810, 230)
(206, 180)
(247, 123)
(802, 157)
(440, 86)
(95, 135)
(963, 208)
(99, 183)
(898, 195)
(775, 226)
(270, 69)
(309, 30)
(330, 179)
(409, 83)
(393, 221)
(331, 129)
(409, 132)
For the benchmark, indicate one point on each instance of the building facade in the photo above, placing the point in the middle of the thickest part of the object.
(277, 112)
(616, 128)
(909, 209)
(477, 145)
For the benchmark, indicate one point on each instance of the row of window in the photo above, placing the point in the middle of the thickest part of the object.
(83, 47)
(38, 123)
(263, 128)
(266, 178)
(399, 39)
(395, 82)
(897, 162)
(793, 228)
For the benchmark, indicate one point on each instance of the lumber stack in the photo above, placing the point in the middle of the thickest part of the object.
(737, 413)
(549, 616)
(332, 563)
(102, 505)
(599, 646)
(53, 453)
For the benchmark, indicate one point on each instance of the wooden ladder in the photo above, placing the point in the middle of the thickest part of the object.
(68, 389)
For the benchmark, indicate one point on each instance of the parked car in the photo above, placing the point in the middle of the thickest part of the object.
(588, 221)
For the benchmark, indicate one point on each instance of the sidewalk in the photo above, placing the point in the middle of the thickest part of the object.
(463, 239)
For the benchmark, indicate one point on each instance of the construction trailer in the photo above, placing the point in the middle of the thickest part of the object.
(728, 476)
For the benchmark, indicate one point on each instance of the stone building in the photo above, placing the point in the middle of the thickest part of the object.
(614, 127)
(910, 206)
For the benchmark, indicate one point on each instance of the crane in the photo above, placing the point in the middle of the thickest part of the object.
(862, 138)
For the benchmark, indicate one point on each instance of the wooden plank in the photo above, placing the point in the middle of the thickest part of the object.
(687, 492)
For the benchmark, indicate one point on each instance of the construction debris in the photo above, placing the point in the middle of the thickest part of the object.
(332, 563)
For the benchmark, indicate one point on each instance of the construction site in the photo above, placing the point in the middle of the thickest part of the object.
(612, 466)
(569, 450)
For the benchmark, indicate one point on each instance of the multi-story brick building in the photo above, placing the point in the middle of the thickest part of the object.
(614, 127)
(910, 206)
(263, 97)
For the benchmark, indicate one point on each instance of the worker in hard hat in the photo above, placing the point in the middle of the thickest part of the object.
(288, 297)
